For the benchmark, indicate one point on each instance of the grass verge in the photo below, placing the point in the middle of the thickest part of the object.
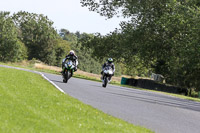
(28, 103)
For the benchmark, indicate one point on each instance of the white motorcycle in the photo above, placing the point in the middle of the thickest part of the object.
(107, 74)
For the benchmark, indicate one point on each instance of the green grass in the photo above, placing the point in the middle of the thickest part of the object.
(28, 103)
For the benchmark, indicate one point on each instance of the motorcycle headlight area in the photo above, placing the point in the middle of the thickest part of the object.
(110, 72)
(66, 65)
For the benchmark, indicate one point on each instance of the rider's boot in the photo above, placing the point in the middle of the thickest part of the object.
(75, 69)
(101, 77)
(62, 72)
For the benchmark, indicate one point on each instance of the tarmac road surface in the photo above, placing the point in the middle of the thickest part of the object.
(159, 112)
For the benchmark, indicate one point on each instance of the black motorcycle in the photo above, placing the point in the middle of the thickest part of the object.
(68, 70)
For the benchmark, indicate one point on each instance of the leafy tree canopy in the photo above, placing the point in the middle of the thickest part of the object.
(11, 48)
(164, 35)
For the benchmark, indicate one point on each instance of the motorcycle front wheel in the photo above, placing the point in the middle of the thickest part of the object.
(105, 81)
(66, 76)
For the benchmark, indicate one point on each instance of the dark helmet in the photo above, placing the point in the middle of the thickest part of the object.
(110, 60)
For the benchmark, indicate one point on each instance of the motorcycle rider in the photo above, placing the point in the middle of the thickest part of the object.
(71, 56)
(108, 63)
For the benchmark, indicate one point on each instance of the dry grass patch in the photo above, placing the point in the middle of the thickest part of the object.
(78, 72)
(43, 66)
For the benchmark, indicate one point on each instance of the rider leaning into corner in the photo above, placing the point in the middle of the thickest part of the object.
(71, 56)
(108, 63)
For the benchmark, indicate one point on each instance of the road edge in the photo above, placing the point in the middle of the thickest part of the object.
(33, 71)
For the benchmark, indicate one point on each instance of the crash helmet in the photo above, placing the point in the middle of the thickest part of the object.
(71, 52)
(110, 60)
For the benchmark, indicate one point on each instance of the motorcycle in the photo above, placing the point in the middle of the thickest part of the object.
(107, 74)
(68, 70)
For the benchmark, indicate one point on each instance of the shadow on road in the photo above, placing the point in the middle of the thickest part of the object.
(58, 81)
(99, 86)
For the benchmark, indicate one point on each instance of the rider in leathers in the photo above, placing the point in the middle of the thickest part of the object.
(71, 56)
(108, 63)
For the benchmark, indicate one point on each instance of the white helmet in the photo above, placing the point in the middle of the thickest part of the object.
(71, 52)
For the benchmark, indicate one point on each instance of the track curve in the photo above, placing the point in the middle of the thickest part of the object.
(159, 112)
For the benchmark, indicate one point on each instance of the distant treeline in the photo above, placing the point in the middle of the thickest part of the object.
(27, 36)
(87, 62)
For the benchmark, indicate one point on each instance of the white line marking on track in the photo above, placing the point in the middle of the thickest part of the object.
(51, 82)
(37, 73)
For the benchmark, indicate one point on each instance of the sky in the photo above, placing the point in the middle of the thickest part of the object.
(67, 14)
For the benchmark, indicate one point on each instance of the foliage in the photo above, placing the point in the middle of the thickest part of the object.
(68, 36)
(87, 62)
(172, 42)
(11, 48)
(32, 35)
(117, 46)
(163, 35)
(37, 33)
(61, 48)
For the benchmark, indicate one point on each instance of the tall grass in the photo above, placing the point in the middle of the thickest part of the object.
(28, 103)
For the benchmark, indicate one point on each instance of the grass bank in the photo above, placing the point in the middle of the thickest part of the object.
(28, 103)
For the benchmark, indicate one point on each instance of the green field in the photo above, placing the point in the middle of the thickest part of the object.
(28, 103)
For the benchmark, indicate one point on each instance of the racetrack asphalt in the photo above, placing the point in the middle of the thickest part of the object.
(156, 111)
(159, 112)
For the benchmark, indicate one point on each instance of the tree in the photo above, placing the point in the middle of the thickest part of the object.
(37, 33)
(163, 34)
(66, 35)
(11, 49)
(62, 47)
